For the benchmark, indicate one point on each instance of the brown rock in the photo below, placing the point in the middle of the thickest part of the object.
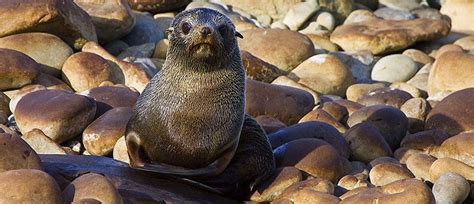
(385, 36)
(396, 192)
(161, 49)
(418, 56)
(350, 182)
(286, 81)
(94, 186)
(28, 186)
(112, 18)
(366, 143)
(467, 43)
(16, 95)
(445, 165)
(272, 187)
(4, 108)
(351, 106)
(460, 13)
(312, 129)
(273, 10)
(134, 76)
(322, 42)
(411, 89)
(385, 96)
(402, 154)
(51, 82)
(16, 69)
(447, 48)
(101, 135)
(356, 91)
(270, 124)
(86, 70)
(451, 72)
(157, 6)
(338, 112)
(282, 48)
(58, 17)
(312, 196)
(41, 143)
(419, 164)
(258, 69)
(315, 184)
(383, 174)
(40, 47)
(108, 97)
(288, 104)
(416, 110)
(60, 115)
(391, 122)
(425, 140)
(314, 157)
(324, 74)
(457, 147)
(453, 113)
(16, 154)
(120, 151)
(323, 116)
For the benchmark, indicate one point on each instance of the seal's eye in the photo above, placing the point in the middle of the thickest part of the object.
(223, 29)
(186, 27)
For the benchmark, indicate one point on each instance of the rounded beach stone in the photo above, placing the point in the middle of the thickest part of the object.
(356, 91)
(41, 47)
(385, 173)
(17, 154)
(396, 192)
(454, 113)
(28, 186)
(41, 143)
(323, 116)
(385, 96)
(84, 70)
(418, 56)
(59, 114)
(445, 165)
(314, 157)
(419, 164)
(311, 196)
(315, 184)
(120, 151)
(286, 81)
(424, 140)
(269, 124)
(391, 122)
(16, 69)
(451, 188)
(324, 74)
(93, 186)
(101, 135)
(283, 48)
(108, 97)
(280, 180)
(457, 147)
(416, 110)
(258, 69)
(366, 142)
(394, 68)
(288, 104)
(450, 72)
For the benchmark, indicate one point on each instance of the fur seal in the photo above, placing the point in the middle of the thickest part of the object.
(190, 121)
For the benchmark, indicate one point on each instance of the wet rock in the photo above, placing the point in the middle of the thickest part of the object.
(371, 33)
(41, 48)
(17, 154)
(314, 157)
(85, 70)
(310, 129)
(61, 18)
(112, 18)
(282, 48)
(101, 135)
(60, 115)
(366, 143)
(337, 77)
(258, 69)
(391, 122)
(41, 143)
(29, 186)
(16, 69)
(287, 104)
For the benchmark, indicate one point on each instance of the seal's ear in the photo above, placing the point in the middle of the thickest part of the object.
(237, 34)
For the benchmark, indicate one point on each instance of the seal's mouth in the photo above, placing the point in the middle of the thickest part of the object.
(203, 49)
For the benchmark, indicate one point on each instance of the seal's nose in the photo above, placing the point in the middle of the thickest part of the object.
(205, 31)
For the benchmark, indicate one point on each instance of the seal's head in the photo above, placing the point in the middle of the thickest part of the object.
(203, 35)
